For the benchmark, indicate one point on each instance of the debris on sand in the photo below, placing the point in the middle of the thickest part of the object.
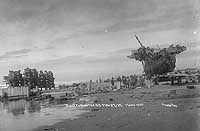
(138, 87)
(51, 129)
(48, 114)
(89, 116)
(197, 106)
(169, 105)
(88, 99)
(191, 108)
(191, 87)
(95, 109)
(111, 99)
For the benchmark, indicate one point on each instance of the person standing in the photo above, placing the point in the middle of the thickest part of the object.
(119, 80)
(127, 82)
(124, 81)
(112, 81)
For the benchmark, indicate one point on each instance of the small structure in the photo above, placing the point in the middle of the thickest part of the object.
(20, 84)
(2, 90)
(14, 92)
(181, 76)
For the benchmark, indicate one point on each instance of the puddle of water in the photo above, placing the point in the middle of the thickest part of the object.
(26, 115)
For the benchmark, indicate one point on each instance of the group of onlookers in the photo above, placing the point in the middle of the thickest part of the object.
(131, 81)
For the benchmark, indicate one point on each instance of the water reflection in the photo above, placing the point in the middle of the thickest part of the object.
(20, 115)
(33, 107)
(19, 107)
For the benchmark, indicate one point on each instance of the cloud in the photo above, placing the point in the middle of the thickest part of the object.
(88, 35)
(93, 15)
(15, 54)
(49, 48)
(76, 59)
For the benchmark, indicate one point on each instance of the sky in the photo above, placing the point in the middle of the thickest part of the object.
(86, 39)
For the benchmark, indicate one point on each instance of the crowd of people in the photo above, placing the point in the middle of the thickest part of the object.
(131, 81)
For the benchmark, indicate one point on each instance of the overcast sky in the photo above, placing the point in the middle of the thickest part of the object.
(88, 39)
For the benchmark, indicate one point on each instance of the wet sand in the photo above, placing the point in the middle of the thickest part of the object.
(153, 116)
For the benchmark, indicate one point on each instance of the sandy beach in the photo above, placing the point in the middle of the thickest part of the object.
(156, 112)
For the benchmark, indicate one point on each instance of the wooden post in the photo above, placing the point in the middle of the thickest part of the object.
(148, 83)
(172, 80)
(179, 80)
(28, 91)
